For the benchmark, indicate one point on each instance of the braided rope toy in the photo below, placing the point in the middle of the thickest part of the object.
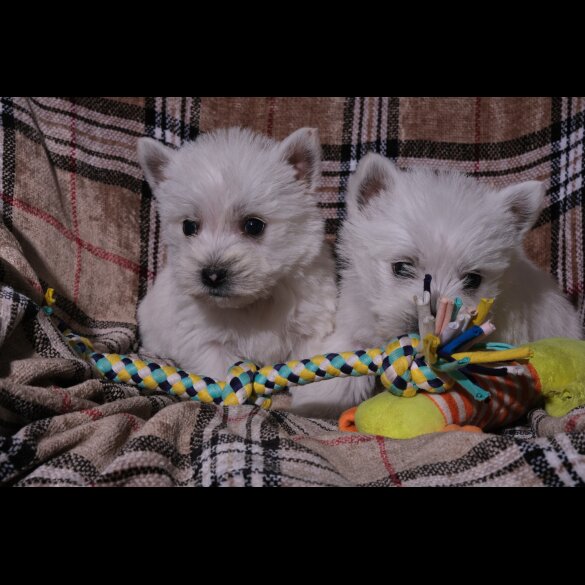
(404, 365)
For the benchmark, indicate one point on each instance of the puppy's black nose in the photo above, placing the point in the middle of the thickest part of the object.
(214, 277)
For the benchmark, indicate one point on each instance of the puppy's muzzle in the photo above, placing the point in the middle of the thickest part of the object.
(214, 277)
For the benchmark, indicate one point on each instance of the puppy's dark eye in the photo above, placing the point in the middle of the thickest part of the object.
(253, 226)
(403, 269)
(471, 281)
(190, 227)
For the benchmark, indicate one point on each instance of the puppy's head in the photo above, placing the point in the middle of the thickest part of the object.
(237, 211)
(402, 225)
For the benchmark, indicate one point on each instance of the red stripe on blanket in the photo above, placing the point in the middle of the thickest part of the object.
(477, 132)
(134, 424)
(270, 122)
(74, 219)
(66, 405)
(384, 456)
(346, 438)
(95, 250)
(93, 413)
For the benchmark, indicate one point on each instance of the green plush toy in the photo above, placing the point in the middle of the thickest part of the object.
(555, 374)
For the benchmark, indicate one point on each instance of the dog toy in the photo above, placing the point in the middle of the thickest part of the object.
(400, 365)
(555, 375)
(405, 366)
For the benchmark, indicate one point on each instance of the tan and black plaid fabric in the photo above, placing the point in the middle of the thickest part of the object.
(77, 215)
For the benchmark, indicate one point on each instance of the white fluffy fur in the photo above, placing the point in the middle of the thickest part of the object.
(281, 294)
(447, 224)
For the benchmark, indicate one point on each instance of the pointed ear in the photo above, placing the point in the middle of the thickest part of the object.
(373, 175)
(153, 157)
(523, 203)
(302, 150)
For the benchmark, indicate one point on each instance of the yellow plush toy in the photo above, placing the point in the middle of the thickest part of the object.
(555, 375)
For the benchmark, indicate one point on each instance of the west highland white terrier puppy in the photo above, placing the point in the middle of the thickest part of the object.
(402, 225)
(248, 273)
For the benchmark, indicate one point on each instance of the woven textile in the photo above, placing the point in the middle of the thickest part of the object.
(76, 215)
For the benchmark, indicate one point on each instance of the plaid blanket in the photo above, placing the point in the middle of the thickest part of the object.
(77, 216)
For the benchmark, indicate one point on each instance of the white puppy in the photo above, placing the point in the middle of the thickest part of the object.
(248, 273)
(402, 225)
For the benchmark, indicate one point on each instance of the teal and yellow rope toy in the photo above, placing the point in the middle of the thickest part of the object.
(404, 366)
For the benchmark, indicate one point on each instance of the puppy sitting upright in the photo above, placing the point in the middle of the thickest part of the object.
(402, 225)
(248, 273)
